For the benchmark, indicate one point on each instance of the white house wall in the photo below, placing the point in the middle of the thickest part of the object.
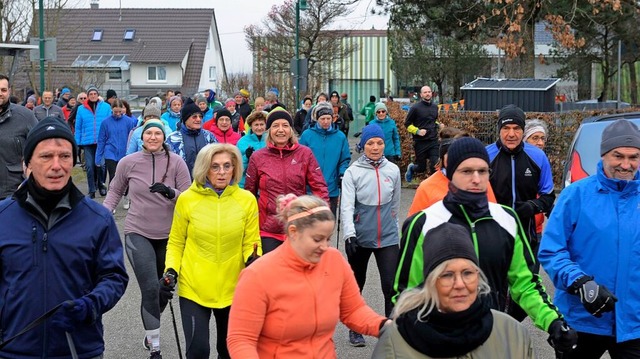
(212, 57)
(139, 75)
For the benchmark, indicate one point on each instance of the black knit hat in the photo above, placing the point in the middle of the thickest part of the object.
(188, 109)
(511, 115)
(279, 113)
(222, 112)
(621, 133)
(50, 127)
(462, 149)
(111, 93)
(444, 242)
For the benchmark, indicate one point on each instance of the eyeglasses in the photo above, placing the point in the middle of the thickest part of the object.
(82, 98)
(538, 138)
(381, 111)
(448, 279)
(470, 171)
(224, 168)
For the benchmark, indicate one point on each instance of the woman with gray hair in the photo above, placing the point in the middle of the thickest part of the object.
(535, 133)
(214, 235)
(446, 316)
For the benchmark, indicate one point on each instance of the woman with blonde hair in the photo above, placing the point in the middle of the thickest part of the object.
(213, 237)
(283, 166)
(288, 303)
(446, 317)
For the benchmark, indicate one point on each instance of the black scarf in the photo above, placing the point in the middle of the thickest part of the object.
(47, 200)
(446, 335)
(5, 107)
(475, 204)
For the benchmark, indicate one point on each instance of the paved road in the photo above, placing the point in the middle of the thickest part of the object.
(124, 331)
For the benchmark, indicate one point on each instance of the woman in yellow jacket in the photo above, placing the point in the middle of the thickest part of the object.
(214, 235)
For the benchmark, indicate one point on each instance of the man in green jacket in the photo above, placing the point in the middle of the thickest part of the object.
(368, 109)
(498, 238)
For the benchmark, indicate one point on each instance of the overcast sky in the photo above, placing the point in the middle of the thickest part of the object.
(233, 16)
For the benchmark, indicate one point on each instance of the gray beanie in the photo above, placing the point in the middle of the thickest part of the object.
(444, 242)
(151, 110)
(621, 133)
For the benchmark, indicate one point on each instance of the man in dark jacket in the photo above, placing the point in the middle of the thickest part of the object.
(52, 260)
(521, 174)
(15, 123)
(422, 122)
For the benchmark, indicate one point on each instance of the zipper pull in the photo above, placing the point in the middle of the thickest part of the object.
(44, 242)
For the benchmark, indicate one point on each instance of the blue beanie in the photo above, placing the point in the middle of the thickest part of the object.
(368, 132)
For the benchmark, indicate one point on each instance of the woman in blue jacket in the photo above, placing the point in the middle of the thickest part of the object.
(253, 140)
(172, 116)
(331, 149)
(112, 138)
(392, 149)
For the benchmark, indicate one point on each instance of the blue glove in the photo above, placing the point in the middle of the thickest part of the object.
(73, 313)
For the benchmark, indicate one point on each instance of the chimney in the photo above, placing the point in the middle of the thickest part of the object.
(95, 4)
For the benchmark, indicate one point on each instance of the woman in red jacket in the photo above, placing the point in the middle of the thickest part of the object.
(284, 166)
(287, 304)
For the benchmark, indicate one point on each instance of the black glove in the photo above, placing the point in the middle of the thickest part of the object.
(595, 298)
(73, 313)
(525, 210)
(350, 246)
(562, 338)
(395, 159)
(163, 190)
(168, 284)
(249, 152)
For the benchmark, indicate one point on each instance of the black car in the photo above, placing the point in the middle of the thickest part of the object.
(584, 152)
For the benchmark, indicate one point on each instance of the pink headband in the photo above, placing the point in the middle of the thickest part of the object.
(308, 212)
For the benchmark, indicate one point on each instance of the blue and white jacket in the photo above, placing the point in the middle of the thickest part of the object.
(370, 202)
(187, 143)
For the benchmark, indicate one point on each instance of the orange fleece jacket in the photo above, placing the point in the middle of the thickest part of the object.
(285, 307)
(433, 189)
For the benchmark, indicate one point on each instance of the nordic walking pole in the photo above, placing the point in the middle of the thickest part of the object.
(175, 328)
(72, 346)
(338, 215)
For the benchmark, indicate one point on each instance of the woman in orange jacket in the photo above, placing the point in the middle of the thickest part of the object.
(287, 304)
(434, 188)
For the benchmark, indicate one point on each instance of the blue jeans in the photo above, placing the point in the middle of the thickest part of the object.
(94, 173)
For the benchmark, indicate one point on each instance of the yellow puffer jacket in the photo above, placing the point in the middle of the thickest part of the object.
(211, 238)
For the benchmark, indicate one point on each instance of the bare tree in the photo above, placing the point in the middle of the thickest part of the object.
(273, 44)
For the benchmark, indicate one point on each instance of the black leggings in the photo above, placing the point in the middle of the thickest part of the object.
(387, 260)
(426, 150)
(195, 323)
(147, 259)
(269, 244)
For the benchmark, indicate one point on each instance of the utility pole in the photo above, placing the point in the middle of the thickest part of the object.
(300, 5)
(41, 42)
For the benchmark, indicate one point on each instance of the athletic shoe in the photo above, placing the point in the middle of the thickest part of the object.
(356, 339)
(145, 343)
(408, 176)
(92, 195)
(113, 212)
(102, 189)
(155, 355)
(127, 202)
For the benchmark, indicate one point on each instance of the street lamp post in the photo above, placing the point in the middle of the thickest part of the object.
(41, 43)
(300, 5)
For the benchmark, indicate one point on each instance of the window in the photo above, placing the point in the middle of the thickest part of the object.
(97, 35)
(156, 73)
(129, 34)
(212, 73)
(115, 75)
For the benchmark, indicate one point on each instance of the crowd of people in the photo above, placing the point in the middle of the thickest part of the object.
(233, 207)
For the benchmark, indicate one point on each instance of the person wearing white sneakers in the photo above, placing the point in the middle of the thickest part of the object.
(155, 177)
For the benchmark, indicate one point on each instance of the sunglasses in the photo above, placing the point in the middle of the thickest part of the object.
(381, 111)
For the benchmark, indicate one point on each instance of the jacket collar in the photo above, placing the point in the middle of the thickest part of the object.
(292, 259)
(607, 184)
